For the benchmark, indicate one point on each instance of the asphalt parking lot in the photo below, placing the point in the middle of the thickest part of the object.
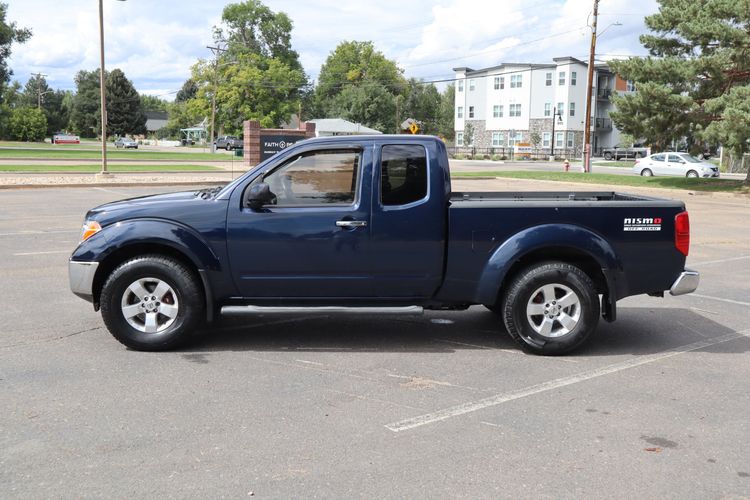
(444, 404)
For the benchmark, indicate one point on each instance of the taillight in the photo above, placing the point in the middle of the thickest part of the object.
(682, 232)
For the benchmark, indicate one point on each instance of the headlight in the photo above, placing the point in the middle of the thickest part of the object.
(90, 228)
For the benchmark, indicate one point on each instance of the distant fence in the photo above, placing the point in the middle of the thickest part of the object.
(499, 154)
(738, 165)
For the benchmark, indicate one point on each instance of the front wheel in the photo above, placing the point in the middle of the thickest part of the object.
(692, 174)
(152, 303)
(551, 308)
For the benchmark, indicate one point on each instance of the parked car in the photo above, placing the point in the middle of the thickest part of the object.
(617, 153)
(228, 142)
(370, 225)
(672, 163)
(126, 142)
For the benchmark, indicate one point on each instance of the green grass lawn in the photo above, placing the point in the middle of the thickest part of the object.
(628, 164)
(45, 145)
(727, 185)
(61, 152)
(94, 168)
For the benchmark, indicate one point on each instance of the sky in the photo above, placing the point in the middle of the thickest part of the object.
(155, 42)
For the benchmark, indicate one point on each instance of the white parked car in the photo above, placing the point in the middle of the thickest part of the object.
(670, 163)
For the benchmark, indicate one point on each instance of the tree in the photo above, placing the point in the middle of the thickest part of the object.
(153, 103)
(446, 122)
(53, 103)
(124, 112)
(360, 84)
(9, 33)
(85, 113)
(28, 124)
(695, 79)
(187, 92)
(535, 139)
(422, 102)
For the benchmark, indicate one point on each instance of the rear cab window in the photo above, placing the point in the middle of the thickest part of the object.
(403, 174)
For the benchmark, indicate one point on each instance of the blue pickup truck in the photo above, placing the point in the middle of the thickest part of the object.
(369, 224)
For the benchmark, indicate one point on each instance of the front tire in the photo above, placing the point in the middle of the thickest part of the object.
(692, 174)
(551, 308)
(152, 303)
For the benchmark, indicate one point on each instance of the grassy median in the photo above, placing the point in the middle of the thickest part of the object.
(94, 168)
(713, 185)
(51, 153)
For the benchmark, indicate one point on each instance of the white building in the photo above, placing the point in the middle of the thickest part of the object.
(509, 103)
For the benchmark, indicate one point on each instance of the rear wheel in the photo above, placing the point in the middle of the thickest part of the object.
(646, 172)
(152, 303)
(692, 174)
(551, 308)
(607, 156)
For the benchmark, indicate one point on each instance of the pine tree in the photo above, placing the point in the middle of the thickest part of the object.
(125, 114)
(696, 81)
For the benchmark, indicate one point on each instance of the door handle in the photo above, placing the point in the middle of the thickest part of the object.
(351, 223)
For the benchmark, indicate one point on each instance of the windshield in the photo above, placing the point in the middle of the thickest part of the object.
(690, 159)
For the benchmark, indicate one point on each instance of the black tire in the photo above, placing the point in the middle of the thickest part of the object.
(692, 174)
(523, 293)
(182, 282)
(646, 172)
(228, 147)
(607, 155)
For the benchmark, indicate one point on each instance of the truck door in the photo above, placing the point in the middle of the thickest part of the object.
(313, 241)
(409, 210)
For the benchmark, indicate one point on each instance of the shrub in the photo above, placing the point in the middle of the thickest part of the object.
(28, 124)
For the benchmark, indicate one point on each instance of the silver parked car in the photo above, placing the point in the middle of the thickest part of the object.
(126, 142)
(670, 163)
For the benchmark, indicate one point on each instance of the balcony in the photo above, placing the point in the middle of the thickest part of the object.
(602, 124)
(603, 94)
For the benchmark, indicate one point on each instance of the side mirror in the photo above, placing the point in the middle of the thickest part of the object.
(257, 196)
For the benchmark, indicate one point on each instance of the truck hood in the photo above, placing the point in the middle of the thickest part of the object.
(168, 205)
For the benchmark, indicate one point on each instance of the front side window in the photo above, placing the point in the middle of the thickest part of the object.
(324, 177)
(403, 174)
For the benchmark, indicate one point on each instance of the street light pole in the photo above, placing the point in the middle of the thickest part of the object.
(101, 88)
(555, 114)
(589, 85)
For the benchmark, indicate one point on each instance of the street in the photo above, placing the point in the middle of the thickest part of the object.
(443, 404)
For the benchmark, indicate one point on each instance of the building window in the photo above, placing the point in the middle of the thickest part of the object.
(630, 86)
(498, 139)
(547, 109)
(459, 138)
(561, 109)
(572, 108)
(461, 85)
(472, 84)
(546, 139)
(516, 81)
(460, 112)
(561, 78)
(497, 111)
(548, 80)
(573, 77)
(497, 83)
(471, 111)
(515, 110)
(571, 138)
(558, 139)
(514, 139)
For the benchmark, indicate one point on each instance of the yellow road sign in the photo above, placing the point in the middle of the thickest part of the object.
(413, 128)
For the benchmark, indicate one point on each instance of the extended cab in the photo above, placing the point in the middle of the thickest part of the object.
(228, 142)
(369, 224)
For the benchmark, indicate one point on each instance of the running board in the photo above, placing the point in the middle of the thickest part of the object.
(231, 310)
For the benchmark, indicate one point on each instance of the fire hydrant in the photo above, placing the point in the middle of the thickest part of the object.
(566, 165)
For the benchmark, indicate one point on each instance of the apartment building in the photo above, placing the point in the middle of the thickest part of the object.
(507, 104)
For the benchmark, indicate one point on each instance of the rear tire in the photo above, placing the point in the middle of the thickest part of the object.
(152, 303)
(551, 308)
(607, 156)
(646, 172)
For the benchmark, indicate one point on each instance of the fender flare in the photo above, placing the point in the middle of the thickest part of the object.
(540, 237)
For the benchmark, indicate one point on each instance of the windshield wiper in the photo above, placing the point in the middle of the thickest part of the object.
(207, 193)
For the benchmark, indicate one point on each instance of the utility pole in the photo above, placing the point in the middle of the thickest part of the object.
(39, 92)
(589, 86)
(216, 51)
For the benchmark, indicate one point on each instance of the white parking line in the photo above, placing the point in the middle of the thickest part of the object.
(472, 406)
(720, 261)
(42, 253)
(729, 301)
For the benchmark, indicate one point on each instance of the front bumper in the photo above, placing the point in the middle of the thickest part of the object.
(687, 282)
(81, 275)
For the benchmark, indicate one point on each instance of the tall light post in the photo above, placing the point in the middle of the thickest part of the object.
(555, 113)
(101, 88)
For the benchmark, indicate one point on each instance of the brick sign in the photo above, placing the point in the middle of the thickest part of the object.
(272, 144)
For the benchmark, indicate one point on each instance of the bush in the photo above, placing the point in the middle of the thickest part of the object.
(28, 124)
(503, 157)
(459, 156)
(495, 157)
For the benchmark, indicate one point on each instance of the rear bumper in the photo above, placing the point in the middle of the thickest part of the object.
(687, 282)
(81, 276)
